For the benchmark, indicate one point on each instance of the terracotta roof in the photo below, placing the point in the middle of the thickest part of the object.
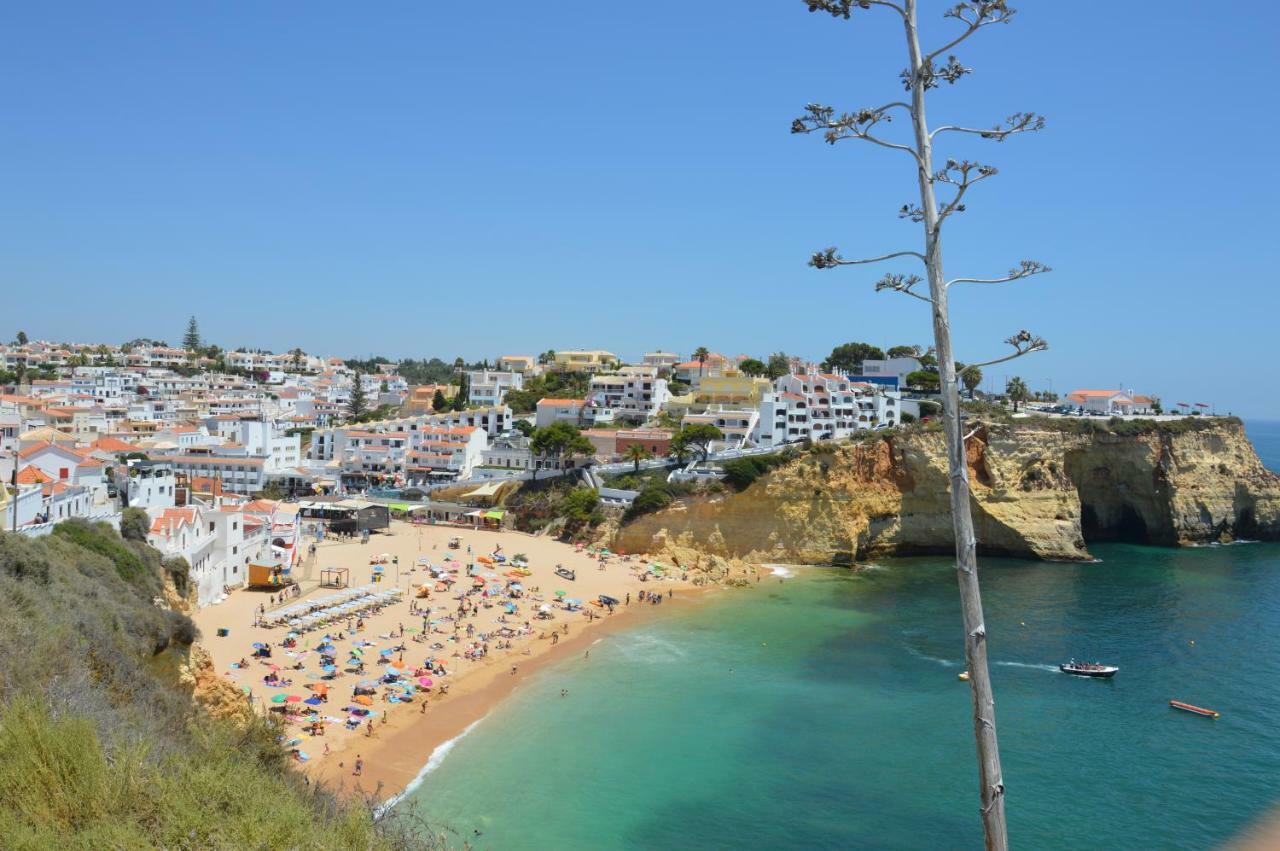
(559, 402)
(111, 444)
(32, 475)
(172, 518)
(1087, 393)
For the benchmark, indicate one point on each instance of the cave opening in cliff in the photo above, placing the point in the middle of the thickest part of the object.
(1120, 522)
(1120, 500)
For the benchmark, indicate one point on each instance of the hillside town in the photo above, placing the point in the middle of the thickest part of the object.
(229, 453)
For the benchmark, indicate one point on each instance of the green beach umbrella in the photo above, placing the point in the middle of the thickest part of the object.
(279, 698)
(561, 593)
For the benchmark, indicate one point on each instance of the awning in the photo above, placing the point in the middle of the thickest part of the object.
(494, 515)
(399, 506)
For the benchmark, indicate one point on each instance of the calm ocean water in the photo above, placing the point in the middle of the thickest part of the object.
(825, 713)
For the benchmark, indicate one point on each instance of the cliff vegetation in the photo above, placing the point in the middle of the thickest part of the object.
(101, 743)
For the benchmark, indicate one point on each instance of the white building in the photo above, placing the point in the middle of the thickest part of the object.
(736, 424)
(898, 368)
(822, 406)
(489, 387)
(151, 485)
(550, 411)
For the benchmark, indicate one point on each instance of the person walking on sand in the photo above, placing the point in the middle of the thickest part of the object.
(359, 766)
(513, 670)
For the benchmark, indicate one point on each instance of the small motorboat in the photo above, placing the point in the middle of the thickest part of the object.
(1197, 710)
(1088, 669)
(565, 573)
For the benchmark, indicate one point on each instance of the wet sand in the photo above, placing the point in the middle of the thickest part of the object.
(396, 754)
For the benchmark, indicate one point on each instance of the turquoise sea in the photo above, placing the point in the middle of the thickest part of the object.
(824, 712)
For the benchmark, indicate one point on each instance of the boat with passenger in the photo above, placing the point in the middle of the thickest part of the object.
(1088, 669)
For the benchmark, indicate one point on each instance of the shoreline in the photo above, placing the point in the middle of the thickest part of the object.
(397, 758)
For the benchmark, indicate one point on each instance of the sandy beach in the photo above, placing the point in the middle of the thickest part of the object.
(469, 665)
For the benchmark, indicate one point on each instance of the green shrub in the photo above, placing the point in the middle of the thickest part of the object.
(134, 525)
(740, 473)
(653, 498)
(99, 748)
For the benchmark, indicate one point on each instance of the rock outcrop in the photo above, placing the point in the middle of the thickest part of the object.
(220, 697)
(1041, 489)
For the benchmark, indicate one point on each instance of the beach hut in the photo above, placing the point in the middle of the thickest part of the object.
(269, 575)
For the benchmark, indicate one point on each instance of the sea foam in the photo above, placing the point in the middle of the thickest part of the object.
(433, 762)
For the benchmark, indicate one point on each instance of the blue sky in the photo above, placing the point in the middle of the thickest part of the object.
(476, 179)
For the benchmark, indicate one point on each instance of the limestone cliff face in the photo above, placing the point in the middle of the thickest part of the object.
(1040, 490)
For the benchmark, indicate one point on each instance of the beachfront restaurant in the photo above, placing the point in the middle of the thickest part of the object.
(347, 516)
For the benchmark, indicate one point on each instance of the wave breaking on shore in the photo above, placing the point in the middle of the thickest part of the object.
(433, 762)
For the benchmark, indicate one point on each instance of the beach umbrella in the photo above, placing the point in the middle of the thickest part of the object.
(279, 698)
(293, 698)
(313, 701)
(561, 593)
(328, 669)
(363, 700)
(425, 682)
(258, 645)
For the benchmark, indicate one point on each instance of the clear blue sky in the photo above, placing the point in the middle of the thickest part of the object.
(418, 179)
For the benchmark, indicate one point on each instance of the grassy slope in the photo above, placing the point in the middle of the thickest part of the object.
(98, 751)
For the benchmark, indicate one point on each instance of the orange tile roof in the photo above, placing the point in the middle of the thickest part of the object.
(560, 402)
(171, 518)
(32, 475)
(111, 444)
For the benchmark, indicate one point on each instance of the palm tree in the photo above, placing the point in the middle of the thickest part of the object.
(1017, 391)
(971, 377)
(700, 355)
(636, 453)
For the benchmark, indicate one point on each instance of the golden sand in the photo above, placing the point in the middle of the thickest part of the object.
(403, 736)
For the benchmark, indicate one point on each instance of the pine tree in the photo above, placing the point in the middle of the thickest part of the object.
(357, 406)
(191, 340)
(438, 402)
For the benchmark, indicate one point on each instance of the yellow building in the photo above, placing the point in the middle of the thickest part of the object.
(734, 388)
(585, 361)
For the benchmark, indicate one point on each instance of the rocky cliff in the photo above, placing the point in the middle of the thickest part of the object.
(1041, 488)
